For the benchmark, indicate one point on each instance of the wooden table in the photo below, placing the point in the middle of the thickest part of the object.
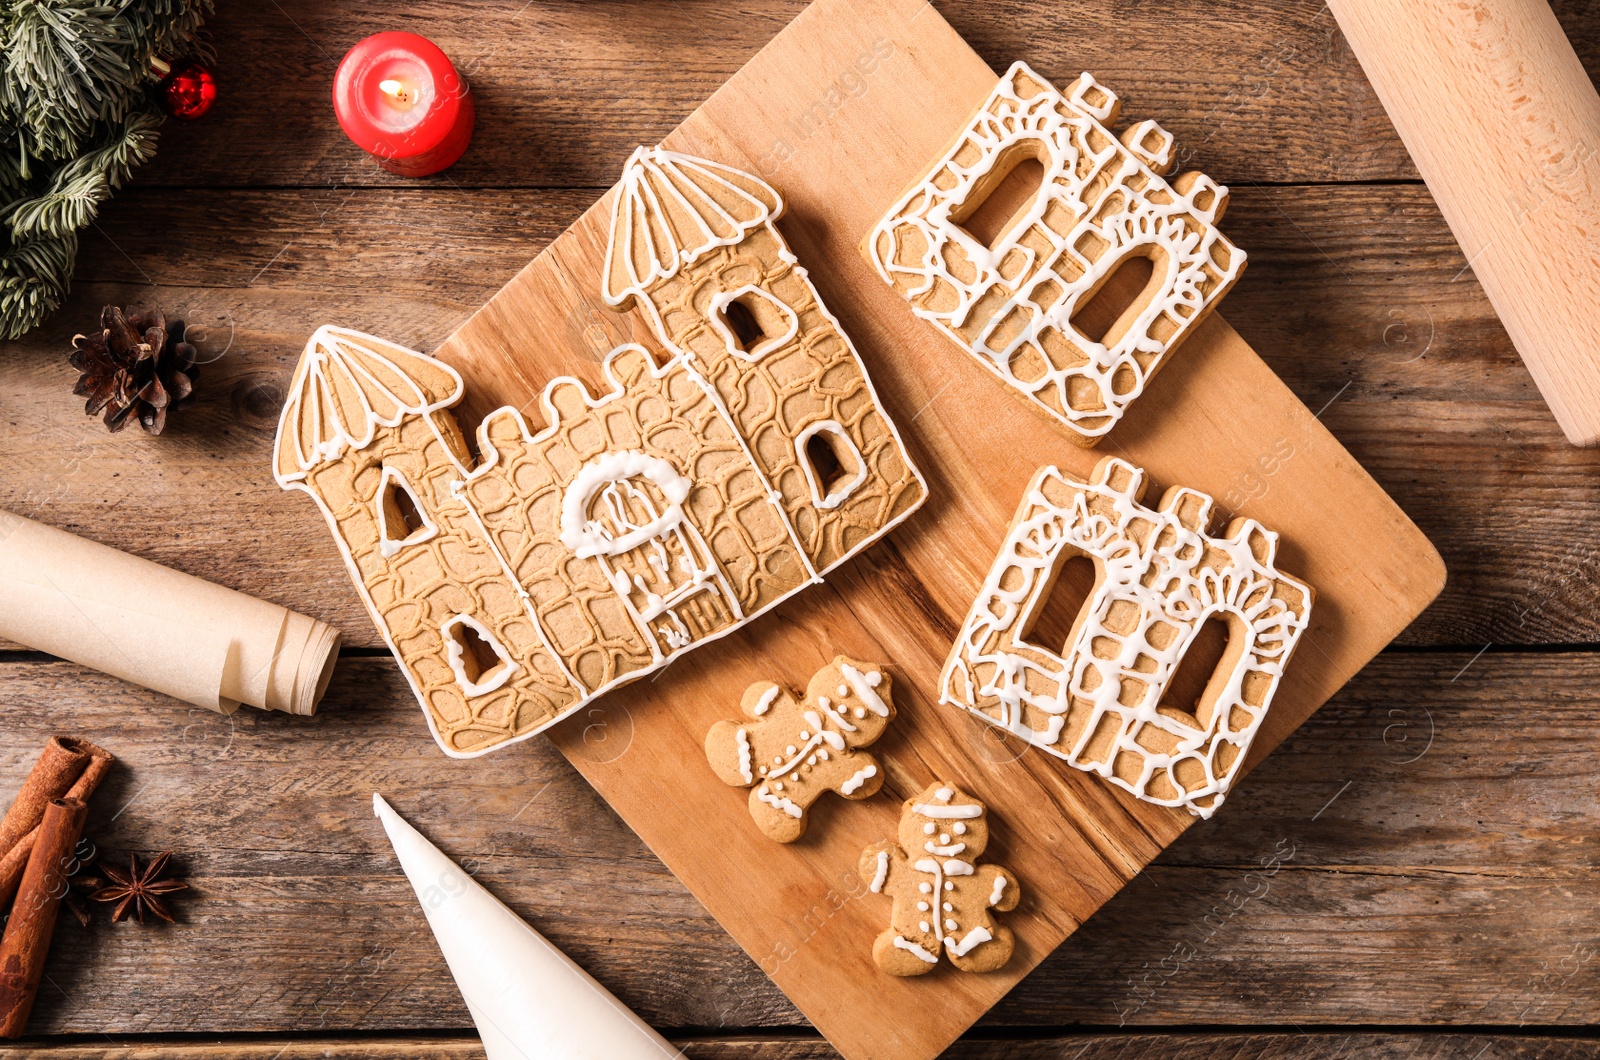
(1435, 821)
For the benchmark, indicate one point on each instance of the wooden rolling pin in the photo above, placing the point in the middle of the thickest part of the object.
(1504, 124)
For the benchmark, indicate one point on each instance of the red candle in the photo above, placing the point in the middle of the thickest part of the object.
(400, 99)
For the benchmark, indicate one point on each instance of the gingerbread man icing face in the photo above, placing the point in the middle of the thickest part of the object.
(941, 896)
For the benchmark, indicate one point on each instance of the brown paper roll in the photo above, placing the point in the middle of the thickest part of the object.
(157, 627)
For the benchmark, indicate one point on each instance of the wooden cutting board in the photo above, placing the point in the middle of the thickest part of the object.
(839, 112)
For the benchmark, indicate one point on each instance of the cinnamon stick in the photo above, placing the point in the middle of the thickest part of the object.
(33, 919)
(67, 768)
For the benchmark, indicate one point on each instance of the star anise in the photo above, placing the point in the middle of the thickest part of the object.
(139, 890)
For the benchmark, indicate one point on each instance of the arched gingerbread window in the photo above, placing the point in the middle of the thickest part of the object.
(402, 519)
(753, 322)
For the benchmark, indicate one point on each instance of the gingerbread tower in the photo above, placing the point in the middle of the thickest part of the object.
(694, 246)
(366, 432)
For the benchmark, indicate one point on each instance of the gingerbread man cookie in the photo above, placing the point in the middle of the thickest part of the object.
(941, 897)
(790, 751)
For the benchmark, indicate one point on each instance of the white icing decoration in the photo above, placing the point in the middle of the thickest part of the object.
(844, 690)
(1039, 267)
(922, 925)
(588, 537)
(1179, 577)
(922, 907)
(959, 828)
(866, 687)
(950, 924)
(497, 675)
(839, 494)
(389, 541)
(780, 802)
(944, 794)
(925, 888)
(882, 873)
(852, 785)
(974, 938)
(927, 829)
(905, 944)
(764, 704)
(928, 809)
(743, 739)
(719, 303)
(999, 885)
(946, 850)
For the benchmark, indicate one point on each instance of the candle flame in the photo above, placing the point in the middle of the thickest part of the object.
(395, 90)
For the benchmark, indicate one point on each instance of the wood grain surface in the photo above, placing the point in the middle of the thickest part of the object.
(1216, 414)
(1452, 890)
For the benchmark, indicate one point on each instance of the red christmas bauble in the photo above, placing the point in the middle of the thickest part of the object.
(188, 90)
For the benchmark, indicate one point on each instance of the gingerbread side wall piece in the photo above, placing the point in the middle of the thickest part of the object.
(942, 896)
(696, 492)
(790, 752)
(1159, 576)
(1017, 294)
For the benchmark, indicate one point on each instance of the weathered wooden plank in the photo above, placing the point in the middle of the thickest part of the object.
(1255, 92)
(1355, 296)
(1419, 839)
(1282, 1045)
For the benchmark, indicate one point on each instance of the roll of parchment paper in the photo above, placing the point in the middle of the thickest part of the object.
(157, 627)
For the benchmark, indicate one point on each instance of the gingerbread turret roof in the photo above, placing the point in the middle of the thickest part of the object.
(669, 209)
(347, 385)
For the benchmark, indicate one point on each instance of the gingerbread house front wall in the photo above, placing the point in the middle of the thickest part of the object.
(801, 384)
(1101, 201)
(1160, 576)
(661, 583)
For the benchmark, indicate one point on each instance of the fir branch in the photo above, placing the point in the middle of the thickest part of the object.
(78, 188)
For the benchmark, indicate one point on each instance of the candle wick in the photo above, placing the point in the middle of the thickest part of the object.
(395, 91)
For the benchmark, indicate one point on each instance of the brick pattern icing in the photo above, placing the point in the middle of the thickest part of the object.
(1160, 574)
(1101, 202)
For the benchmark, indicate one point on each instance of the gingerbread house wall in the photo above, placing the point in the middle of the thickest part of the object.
(814, 378)
(519, 496)
(420, 586)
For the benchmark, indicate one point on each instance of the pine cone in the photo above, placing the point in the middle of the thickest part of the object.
(139, 365)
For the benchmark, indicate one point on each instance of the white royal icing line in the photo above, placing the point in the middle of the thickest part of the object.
(839, 494)
(779, 802)
(927, 809)
(389, 542)
(948, 850)
(1181, 577)
(882, 874)
(743, 739)
(456, 656)
(764, 704)
(1045, 291)
(851, 786)
(976, 937)
(999, 885)
(918, 951)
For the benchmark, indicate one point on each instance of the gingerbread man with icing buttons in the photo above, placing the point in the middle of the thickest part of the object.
(788, 751)
(941, 897)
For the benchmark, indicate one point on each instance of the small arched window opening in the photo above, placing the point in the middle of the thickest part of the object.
(1206, 666)
(1108, 314)
(1000, 199)
(833, 465)
(478, 659)
(402, 519)
(752, 322)
(1061, 603)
